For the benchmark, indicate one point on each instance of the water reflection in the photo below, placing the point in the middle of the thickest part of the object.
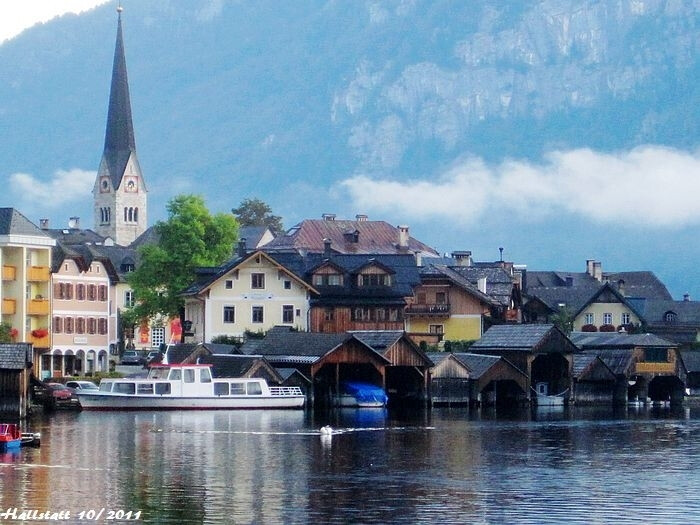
(378, 466)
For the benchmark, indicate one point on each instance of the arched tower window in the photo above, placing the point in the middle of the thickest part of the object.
(126, 214)
(136, 215)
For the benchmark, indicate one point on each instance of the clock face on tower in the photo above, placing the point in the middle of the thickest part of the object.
(104, 185)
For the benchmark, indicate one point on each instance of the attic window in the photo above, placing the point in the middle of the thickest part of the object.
(670, 317)
(373, 279)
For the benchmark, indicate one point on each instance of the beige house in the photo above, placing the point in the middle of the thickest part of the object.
(253, 292)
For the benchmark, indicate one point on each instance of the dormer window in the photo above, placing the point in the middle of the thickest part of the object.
(328, 279)
(670, 317)
(373, 279)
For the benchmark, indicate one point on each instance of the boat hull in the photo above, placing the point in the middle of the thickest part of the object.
(10, 444)
(98, 401)
(549, 401)
(349, 401)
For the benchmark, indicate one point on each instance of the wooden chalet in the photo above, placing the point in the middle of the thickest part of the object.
(473, 379)
(15, 372)
(646, 367)
(595, 382)
(542, 351)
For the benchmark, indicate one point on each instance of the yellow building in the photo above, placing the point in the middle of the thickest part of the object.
(25, 292)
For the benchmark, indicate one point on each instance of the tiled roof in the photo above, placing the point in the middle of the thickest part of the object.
(373, 237)
(15, 356)
(513, 336)
(619, 361)
(458, 279)
(499, 283)
(230, 365)
(282, 341)
(13, 222)
(590, 340)
(380, 340)
(286, 373)
(178, 353)
(477, 364)
(582, 361)
(691, 360)
(687, 312)
(252, 235)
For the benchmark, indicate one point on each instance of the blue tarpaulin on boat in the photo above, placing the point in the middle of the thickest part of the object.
(364, 392)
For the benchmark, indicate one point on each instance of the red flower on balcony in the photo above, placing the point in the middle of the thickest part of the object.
(40, 332)
(14, 332)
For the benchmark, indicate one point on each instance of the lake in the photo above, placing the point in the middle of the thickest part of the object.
(429, 466)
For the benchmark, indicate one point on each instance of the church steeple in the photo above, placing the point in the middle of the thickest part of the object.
(119, 136)
(119, 191)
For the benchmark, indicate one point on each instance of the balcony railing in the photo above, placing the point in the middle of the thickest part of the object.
(38, 273)
(38, 307)
(9, 273)
(9, 306)
(428, 309)
(655, 368)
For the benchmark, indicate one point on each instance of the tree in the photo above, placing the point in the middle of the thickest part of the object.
(564, 320)
(190, 238)
(254, 212)
(5, 333)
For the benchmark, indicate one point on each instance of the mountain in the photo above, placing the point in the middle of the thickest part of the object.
(286, 101)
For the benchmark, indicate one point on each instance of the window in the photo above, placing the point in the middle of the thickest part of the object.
(607, 318)
(440, 298)
(102, 291)
(92, 292)
(188, 375)
(220, 389)
(287, 313)
(68, 325)
(655, 355)
(229, 314)
(374, 279)
(129, 298)
(175, 375)
(328, 314)
(162, 389)
(204, 375)
(80, 292)
(157, 336)
(328, 279)
(237, 389)
(394, 314)
(257, 281)
(80, 325)
(57, 325)
(102, 326)
(144, 388)
(437, 329)
(589, 319)
(257, 314)
(229, 284)
(670, 317)
(91, 325)
(625, 318)
(254, 389)
(287, 285)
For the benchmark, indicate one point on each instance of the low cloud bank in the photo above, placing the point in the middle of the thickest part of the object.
(649, 185)
(33, 196)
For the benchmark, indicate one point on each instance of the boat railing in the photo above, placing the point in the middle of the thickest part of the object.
(286, 391)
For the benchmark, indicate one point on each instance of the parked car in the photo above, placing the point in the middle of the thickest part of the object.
(132, 357)
(81, 386)
(56, 395)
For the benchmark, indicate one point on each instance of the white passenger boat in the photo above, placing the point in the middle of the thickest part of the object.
(188, 387)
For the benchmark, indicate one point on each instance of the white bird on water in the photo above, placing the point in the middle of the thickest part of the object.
(326, 430)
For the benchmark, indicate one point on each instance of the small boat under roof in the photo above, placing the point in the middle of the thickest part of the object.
(188, 387)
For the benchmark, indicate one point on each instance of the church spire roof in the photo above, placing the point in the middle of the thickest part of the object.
(119, 136)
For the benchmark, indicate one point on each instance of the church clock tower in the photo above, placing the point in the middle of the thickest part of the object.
(119, 194)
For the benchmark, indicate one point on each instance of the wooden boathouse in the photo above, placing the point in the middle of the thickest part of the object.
(15, 371)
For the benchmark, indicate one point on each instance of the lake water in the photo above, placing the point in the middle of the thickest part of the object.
(433, 466)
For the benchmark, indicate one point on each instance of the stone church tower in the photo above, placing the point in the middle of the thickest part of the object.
(119, 194)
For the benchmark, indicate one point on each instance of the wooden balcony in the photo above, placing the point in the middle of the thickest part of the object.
(9, 306)
(38, 273)
(436, 310)
(9, 273)
(38, 307)
(39, 342)
(655, 368)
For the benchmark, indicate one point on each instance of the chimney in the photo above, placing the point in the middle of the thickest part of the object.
(481, 284)
(328, 216)
(589, 266)
(598, 271)
(74, 222)
(621, 286)
(686, 297)
(462, 258)
(361, 218)
(44, 224)
(241, 250)
(327, 248)
(403, 237)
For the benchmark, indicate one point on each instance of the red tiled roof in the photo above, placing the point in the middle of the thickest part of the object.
(378, 237)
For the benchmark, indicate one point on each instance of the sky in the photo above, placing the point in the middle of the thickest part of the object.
(16, 16)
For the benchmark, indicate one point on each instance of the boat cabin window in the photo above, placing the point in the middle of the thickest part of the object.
(158, 373)
(144, 388)
(124, 388)
(189, 375)
(254, 389)
(105, 387)
(220, 389)
(175, 374)
(237, 389)
(162, 388)
(204, 375)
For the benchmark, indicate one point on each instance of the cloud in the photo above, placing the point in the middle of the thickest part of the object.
(649, 185)
(32, 195)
